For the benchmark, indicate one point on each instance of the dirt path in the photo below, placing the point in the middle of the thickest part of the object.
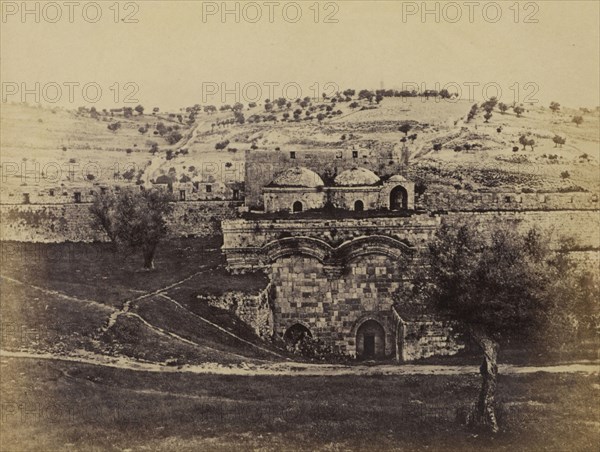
(294, 368)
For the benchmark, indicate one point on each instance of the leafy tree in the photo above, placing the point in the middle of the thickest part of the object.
(525, 141)
(518, 110)
(555, 107)
(366, 94)
(487, 116)
(133, 219)
(210, 109)
(139, 109)
(238, 106)
(577, 120)
(559, 141)
(502, 107)
(320, 117)
(114, 126)
(503, 287)
(472, 112)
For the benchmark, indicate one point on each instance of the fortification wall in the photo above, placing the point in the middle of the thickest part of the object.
(55, 223)
(467, 201)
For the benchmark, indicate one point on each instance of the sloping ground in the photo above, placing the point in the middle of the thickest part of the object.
(38, 319)
(69, 298)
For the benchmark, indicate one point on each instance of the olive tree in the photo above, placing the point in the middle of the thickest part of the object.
(503, 287)
(133, 219)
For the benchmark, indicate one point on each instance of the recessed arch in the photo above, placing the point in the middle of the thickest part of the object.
(296, 333)
(290, 246)
(359, 206)
(398, 198)
(372, 244)
(297, 206)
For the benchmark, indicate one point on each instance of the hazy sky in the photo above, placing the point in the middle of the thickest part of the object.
(176, 55)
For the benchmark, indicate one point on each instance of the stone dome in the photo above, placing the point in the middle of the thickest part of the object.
(297, 177)
(356, 177)
(397, 178)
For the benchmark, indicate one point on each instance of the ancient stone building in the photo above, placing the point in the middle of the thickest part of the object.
(359, 189)
(336, 276)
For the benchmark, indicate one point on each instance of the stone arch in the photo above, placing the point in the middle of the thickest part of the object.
(297, 206)
(398, 198)
(296, 333)
(370, 339)
(290, 246)
(359, 206)
(372, 244)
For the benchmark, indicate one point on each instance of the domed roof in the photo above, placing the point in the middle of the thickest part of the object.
(397, 178)
(297, 177)
(356, 176)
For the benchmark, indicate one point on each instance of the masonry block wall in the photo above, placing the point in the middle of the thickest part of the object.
(334, 307)
(72, 222)
(427, 337)
(471, 201)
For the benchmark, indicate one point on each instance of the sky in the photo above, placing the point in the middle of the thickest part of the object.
(178, 53)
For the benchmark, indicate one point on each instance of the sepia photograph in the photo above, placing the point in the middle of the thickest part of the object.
(300, 226)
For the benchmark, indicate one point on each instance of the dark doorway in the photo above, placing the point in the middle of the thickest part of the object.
(370, 340)
(359, 206)
(369, 347)
(296, 333)
(297, 207)
(398, 198)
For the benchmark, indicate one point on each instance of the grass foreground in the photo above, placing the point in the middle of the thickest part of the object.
(64, 406)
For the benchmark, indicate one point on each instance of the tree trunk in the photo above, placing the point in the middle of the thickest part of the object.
(484, 415)
(148, 250)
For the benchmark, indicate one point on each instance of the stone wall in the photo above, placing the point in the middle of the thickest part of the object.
(243, 240)
(583, 226)
(470, 201)
(333, 307)
(72, 222)
(252, 309)
(427, 337)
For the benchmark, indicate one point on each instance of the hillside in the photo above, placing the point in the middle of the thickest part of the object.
(474, 155)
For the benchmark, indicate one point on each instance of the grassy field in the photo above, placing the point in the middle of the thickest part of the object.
(56, 406)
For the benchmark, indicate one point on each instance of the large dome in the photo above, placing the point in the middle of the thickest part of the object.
(355, 177)
(297, 177)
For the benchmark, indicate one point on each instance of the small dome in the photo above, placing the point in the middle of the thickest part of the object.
(297, 177)
(356, 176)
(397, 178)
